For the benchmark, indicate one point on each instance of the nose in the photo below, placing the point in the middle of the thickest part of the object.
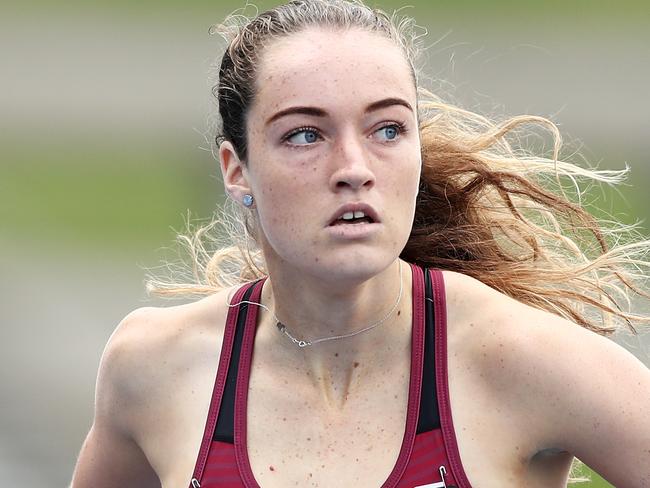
(352, 166)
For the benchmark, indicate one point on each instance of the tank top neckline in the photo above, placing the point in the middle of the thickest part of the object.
(415, 382)
(429, 356)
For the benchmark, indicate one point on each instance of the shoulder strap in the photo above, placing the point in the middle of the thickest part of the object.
(442, 381)
(220, 380)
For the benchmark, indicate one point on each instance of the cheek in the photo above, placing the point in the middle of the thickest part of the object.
(404, 179)
(289, 181)
(286, 199)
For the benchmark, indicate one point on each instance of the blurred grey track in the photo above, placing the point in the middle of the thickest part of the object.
(56, 317)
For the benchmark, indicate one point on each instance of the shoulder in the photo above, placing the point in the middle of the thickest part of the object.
(476, 312)
(149, 347)
(488, 318)
(520, 340)
(566, 386)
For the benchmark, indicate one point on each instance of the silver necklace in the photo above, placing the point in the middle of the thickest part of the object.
(304, 343)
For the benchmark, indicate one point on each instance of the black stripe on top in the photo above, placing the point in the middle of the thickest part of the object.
(224, 430)
(429, 418)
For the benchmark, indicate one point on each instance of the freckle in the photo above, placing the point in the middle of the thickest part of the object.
(308, 438)
(356, 364)
(322, 465)
(284, 419)
(271, 468)
(336, 354)
(500, 344)
(395, 397)
(399, 312)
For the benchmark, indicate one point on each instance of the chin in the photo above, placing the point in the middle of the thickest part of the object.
(335, 263)
(351, 266)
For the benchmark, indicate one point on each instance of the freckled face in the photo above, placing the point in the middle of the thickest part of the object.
(333, 123)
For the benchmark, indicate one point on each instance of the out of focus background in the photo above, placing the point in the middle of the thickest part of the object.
(103, 118)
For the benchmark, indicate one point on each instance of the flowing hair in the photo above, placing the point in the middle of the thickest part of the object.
(487, 206)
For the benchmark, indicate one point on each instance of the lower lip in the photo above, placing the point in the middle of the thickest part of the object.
(353, 231)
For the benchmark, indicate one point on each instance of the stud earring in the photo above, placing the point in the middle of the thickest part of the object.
(247, 200)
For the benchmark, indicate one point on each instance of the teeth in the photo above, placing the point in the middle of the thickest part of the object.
(353, 215)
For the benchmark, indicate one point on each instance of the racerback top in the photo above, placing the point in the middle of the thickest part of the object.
(429, 454)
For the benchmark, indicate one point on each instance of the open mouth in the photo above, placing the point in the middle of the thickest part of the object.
(353, 218)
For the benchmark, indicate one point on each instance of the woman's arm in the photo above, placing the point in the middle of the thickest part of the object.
(579, 392)
(110, 456)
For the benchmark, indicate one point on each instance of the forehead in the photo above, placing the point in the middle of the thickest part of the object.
(328, 67)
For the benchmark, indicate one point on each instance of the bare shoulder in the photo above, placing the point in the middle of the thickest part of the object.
(151, 346)
(517, 341)
(489, 318)
(569, 388)
(476, 314)
(154, 357)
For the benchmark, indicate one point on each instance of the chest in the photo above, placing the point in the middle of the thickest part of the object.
(292, 440)
(307, 438)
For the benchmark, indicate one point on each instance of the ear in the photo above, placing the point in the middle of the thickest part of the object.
(233, 172)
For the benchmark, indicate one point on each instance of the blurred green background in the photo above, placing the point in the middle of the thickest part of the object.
(103, 119)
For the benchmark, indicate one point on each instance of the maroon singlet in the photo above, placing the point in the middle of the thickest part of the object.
(429, 454)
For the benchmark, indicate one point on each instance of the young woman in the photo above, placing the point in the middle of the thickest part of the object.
(411, 306)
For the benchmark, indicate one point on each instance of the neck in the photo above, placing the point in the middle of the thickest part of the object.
(312, 310)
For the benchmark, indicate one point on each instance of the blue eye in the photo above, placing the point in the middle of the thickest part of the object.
(391, 132)
(302, 137)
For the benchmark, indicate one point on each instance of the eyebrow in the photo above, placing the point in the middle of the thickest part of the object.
(319, 112)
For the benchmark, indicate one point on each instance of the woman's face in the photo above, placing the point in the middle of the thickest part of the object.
(333, 134)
